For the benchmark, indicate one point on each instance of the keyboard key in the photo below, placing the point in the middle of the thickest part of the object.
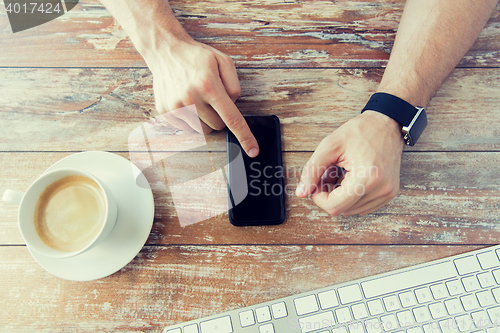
(191, 329)
(471, 283)
(356, 327)
(343, 315)
(431, 328)
(469, 302)
(485, 298)
(279, 310)
(496, 294)
(373, 326)
(219, 325)
(406, 319)
(375, 307)
(350, 294)
(421, 314)
(328, 299)
(423, 295)
(481, 319)
(453, 306)
(467, 265)
(496, 274)
(439, 291)
(408, 279)
(455, 287)
(488, 259)
(263, 314)
(389, 322)
(246, 318)
(437, 310)
(415, 329)
(175, 330)
(407, 299)
(448, 326)
(495, 329)
(317, 322)
(486, 279)
(267, 328)
(391, 303)
(494, 314)
(464, 323)
(359, 311)
(306, 305)
(339, 329)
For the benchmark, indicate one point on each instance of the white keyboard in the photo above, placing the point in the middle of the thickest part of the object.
(451, 295)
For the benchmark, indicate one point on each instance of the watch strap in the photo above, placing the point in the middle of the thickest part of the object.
(412, 119)
(392, 106)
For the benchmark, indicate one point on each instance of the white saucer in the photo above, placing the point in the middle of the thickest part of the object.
(132, 228)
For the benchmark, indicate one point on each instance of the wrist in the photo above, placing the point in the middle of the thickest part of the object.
(151, 25)
(386, 123)
(415, 92)
(160, 39)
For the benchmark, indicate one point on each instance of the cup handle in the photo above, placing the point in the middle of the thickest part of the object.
(13, 197)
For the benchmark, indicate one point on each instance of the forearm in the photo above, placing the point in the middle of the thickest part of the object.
(150, 24)
(432, 37)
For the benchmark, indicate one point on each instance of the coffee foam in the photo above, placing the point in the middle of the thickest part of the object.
(70, 213)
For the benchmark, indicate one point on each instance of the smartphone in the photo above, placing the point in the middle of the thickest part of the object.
(259, 179)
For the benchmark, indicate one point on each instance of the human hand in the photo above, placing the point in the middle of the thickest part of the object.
(186, 72)
(369, 148)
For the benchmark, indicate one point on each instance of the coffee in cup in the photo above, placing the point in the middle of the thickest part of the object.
(69, 213)
(64, 212)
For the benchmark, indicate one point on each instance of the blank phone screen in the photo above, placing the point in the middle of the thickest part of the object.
(264, 202)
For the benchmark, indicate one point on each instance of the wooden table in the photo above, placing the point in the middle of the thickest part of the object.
(77, 84)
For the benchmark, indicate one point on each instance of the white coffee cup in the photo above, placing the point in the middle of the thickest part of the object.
(64, 212)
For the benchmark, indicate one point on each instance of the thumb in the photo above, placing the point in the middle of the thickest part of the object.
(319, 164)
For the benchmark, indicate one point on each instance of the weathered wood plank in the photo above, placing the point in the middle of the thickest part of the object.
(445, 198)
(169, 284)
(188, 272)
(255, 33)
(97, 109)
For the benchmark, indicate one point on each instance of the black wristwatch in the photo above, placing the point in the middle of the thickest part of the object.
(412, 119)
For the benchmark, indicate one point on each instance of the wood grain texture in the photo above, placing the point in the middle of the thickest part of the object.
(255, 33)
(167, 284)
(77, 84)
(445, 198)
(97, 109)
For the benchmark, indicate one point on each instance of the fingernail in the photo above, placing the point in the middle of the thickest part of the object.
(253, 152)
(300, 189)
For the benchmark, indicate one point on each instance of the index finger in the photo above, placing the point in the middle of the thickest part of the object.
(233, 119)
